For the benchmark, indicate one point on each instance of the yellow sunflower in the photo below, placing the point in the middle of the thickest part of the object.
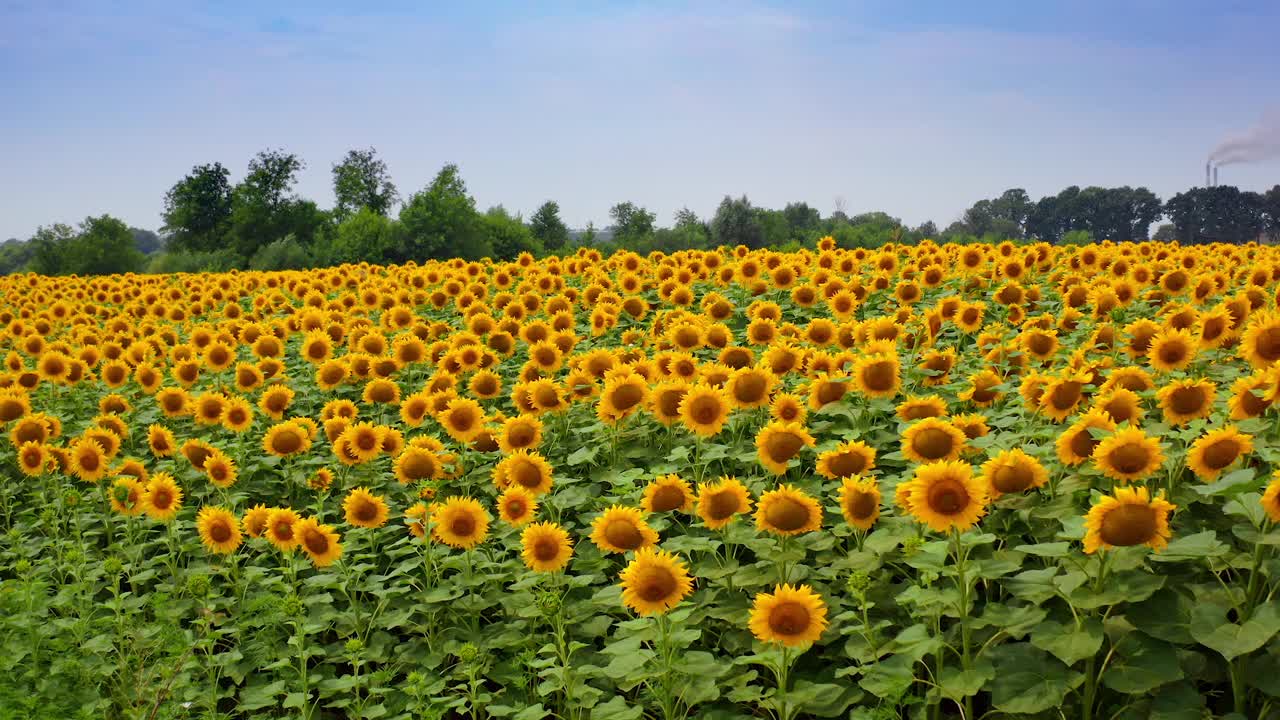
(127, 496)
(517, 506)
(778, 442)
(919, 408)
(255, 520)
(790, 616)
(932, 440)
(878, 375)
(219, 529)
(1076, 444)
(286, 438)
(522, 432)
(1271, 499)
(545, 547)
(34, 458)
(667, 493)
(946, 495)
(1129, 517)
(460, 522)
(1218, 450)
(279, 532)
(720, 502)
(319, 542)
(364, 509)
(1013, 471)
(787, 511)
(1260, 344)
(654, 582)
(622, 529)
(1172, 349)
(847, 459)
(860, 501)
(1182, 401)
(704, 410)
(88, 460)
(1128, 454)
(527, 469)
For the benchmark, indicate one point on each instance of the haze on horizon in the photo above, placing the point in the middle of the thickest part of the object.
(918, 111)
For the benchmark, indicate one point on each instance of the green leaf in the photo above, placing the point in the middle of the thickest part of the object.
(1141, 664)
(254, 698)
(823, 699)
(1165, 615)
(1134, 586)
(915, 642)
(890, 678)
(616, 709)
(1049, 550)
(1028, 680)
(1192, 548)
(1067, 642)
(957, 683)
(584, 454)
(1181, 701)
(1033, 585)
(1228, 484)
(1016, 621)
(1211, 627)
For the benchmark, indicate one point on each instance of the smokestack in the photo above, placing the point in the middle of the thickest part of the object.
(1207, 182)
(1215, 176)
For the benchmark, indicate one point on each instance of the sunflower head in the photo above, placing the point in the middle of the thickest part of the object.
(364, 509)
(545, 547)
(1128, 454)
(622, 529)
(721, 501)
(667, 493)
(789, 616)
(460, 522)
(1217, 450)
(787, 511)
(1129, 517)
(778, 443)
(945, 496)
(932, 440)
(517, 505)
(219, 529)
(654, 582)
(860, 501)
(1013, 471)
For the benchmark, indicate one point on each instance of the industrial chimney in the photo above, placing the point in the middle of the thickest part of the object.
(1207, 176)
(1215, 176)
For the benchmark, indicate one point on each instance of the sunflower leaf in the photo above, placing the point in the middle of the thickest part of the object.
(1211, 626)
(1141, 664)
(1068, 642)
(1199, 546)
(1028, 680)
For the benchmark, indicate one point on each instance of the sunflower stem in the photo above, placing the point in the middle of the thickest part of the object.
(962, 582)
(784, 670)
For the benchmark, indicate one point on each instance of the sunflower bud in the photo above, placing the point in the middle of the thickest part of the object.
(468, 653)
(549, 603)
(198, 585)
(71, 498)
(112, 566)
(354, 646)
(292, 606)
(912, 545)
(22, 567)
(858, 583)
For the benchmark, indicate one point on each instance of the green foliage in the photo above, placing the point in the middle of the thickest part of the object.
(736, 223)
(508, 236)
(1219, 214)
(186, 261)
(365, 236)
(441, 221)
(263, 208)
(197, 209)
(14, 255)
(631, 223)
(1122, 213)
(283, 254)
(102, 246)
(361, 181)
(548, 228)
(1077, 237)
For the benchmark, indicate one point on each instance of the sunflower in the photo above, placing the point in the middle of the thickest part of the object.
(1122, 405)
(936, 366)
(1249, 397)
(33, 458)
(664, 400)
(127, 495)
(932, 440)
(545, 547)
(237, 416)
(1076, 444)
(88, 460)
(275, 401)
(219, 529)
(220, 469)
(973, 425)
(622, 529)
(364, 509)
(526, 469)
(623, 394)
(1271, 499)
(918, 408)
(361, 442)
(1260, 344)
(463, 419)
(1062, 395)
(460, 522)
(1128, 454)
(1217, 450)
(1172, 349)
(982, 389)
(860, 501)
(320, 480)
(163, 498)
(1182, 401)
(517, 506)
(667, 493)
(1130, 378)
(790, 616)
(285, 439)
(750, 387)
(319, 542)
(788, 407)
(1127, 518)
(778, 442)
(826, 389)
(522, 432)
(878, 375)
(254, 521)
(787, 511)
(1013, 471)
(417, 463)
(655, 581)
(280, 526)
(704, 410)
(946, 495)
(719, 502)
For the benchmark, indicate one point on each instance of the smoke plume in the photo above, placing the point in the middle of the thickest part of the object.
(1260, 142)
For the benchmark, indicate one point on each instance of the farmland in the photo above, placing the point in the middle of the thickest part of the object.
(922, 480)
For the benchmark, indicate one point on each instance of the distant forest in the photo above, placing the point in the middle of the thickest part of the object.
(213, 224)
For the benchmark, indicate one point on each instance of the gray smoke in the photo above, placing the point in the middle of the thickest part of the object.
(1260, 142)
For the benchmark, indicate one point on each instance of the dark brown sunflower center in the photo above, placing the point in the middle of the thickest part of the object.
(705, 410)
(862, 505)
(546, 549)
(1129, 525)
(366, 511)
(749, 389)
(1267, 344)
(789, 618)
(848, 464)
(1083, 443)
(627, 396)
(316, 542)
(288, 442)
(655, 584)
(526, 474)
(933, 443)
(948, 497)
(1040, 344)
(283, 531)
(90, 462)
(516, 507)
(879, 376)
(462, 525)
(787, 514)
(1012, 478)
(783, 446)
(1065, 395)
(623, 534)
(1221, 453)
(667, 497)
(830, 392)
(1129, 458)
(220, 533)
(669, 402)
(722, 504)
(1172, 353)
(1187, 400)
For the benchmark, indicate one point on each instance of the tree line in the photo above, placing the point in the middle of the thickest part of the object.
(260, 222)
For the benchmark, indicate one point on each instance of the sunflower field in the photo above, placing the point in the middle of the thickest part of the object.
(927, 481)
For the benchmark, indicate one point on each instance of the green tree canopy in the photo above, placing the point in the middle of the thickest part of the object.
(736, 223)
(197, 209)
(361, 180)
(441, 220)
(548, 228)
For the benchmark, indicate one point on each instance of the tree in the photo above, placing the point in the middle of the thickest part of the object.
(441, 220)
(361, 180)
(365, 236)
(102, 246)
(1005, 216)
(1217, 214)
(631, 222)
(146, 241)
(774, 226)
(736, 223)
(49, 248)
(1165, 233)
(801, 218)
(263, 208)
(197, 209)
(508, 236)
(926, 231)
(548, 228)
(1271, 212)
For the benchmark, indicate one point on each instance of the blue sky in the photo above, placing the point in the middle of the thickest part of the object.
(915, 108)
